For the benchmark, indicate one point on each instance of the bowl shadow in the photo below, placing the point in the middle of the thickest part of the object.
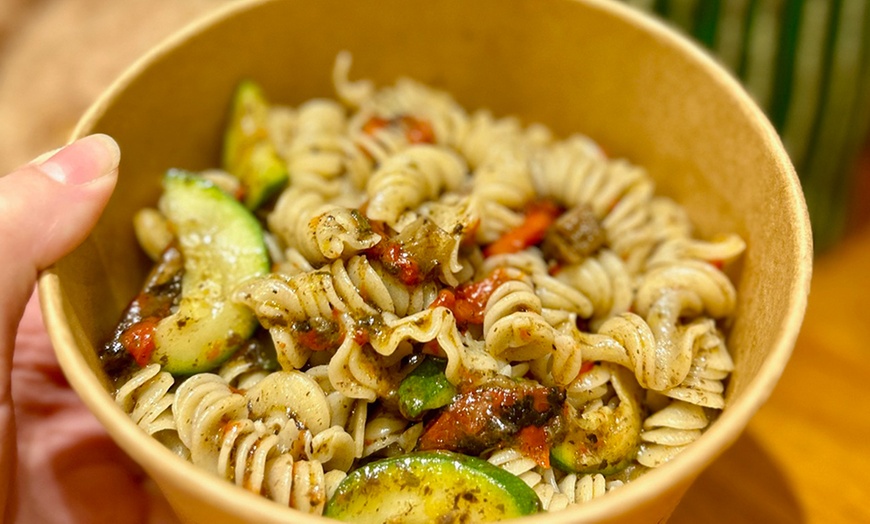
(745, 484)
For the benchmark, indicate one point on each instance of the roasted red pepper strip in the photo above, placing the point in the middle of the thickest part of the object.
(468, 301)
(319, 333)
(533, 442)
(479, 419)
(133, 337)
(416, 130)
(586, 367)
(401, 263)
(317, 340)
(374, 124)
(539, 217)
(138, 340)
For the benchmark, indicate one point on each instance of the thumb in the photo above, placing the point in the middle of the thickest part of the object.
(47, 208)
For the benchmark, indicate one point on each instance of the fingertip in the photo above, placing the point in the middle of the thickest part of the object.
(48, 206)
(83, 161)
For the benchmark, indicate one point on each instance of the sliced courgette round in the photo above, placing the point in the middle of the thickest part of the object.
(425, 388)
(433, 486)
(603, 440)
(222, 245)
(248, 152)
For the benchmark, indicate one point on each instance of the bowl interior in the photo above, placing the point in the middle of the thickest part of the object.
(588, 66)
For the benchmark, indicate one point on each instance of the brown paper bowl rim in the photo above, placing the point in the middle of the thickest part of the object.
(162, 463)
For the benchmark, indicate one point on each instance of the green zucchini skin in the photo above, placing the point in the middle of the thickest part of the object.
(425, 388)
(432, 486)
(248, 152)
(222, 245)
(602, 441)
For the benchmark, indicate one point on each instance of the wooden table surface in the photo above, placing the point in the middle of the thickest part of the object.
(805, 456)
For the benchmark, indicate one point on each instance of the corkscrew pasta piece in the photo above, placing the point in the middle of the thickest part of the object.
(354, 93)
(656, 342)
(717, 251)
(359, 372)
(712, 364)
(389, 120)
(554, 493)
(406, 180)
(152, 232)
(530, 261)
(319, 231)
(483, 136)
(284, 305)
(147, 399)
(254, 456)
(628, 340)
(589, 388)
(579, 489)
(405, 98)
(516, 462)
(355, 291)
(316, 156)
(513, 326)
(251, 438)
(668, 431)
(241, 374)
(290, 392)
(203, 404)
(605, 281)
(502, 185)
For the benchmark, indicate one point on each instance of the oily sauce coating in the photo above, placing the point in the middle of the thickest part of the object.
(132, 340)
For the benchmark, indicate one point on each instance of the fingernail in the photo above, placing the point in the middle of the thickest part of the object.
(83, 161)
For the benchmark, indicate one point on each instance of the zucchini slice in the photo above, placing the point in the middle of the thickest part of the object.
(432, 486)
(425, 388)
(222, 245)
(248, 152)
(604, 440)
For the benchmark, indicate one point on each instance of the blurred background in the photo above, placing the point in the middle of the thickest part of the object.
(805, 457)
(807, 64)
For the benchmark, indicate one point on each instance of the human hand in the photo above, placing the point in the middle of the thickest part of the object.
(58, 464)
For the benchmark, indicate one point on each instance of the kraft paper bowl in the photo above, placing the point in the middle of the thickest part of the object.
(592, 66)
